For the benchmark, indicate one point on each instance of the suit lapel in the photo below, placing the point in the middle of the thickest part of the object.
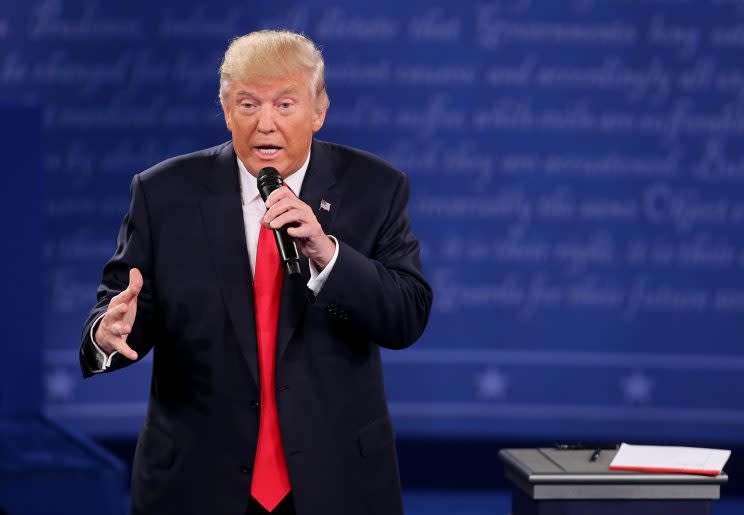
(316, 187)
(318, 183)
(223, 217)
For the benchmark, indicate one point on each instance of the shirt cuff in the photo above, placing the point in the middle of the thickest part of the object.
(318, 278)
(102, 360)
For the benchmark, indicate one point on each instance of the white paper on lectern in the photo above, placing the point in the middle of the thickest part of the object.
(655, 458)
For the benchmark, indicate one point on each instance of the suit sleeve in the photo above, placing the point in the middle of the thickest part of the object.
(385, 295)
(133, 250)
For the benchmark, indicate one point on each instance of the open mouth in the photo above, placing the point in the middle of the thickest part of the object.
(268, 150)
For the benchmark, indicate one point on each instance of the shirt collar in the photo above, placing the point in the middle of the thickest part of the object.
(249, 189)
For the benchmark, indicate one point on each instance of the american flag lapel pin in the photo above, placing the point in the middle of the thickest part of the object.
(325, 205)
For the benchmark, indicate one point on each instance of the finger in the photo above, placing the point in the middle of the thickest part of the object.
(120, 329)
(302, 231)
(116, 312)
(282, 207)
(291, 216)
(115, 300)
(276, 210)
(277, 195)
(122, 348)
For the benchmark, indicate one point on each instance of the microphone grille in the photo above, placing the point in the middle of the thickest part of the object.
(269, 171)
(268, 180)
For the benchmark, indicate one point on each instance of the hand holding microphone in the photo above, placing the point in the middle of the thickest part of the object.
(294, 223)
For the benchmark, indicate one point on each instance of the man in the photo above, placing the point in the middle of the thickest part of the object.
(267, 392)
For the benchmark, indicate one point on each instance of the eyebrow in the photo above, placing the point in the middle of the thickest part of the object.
(285, 91)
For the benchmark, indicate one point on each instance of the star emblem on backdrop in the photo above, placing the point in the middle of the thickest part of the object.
(491, 384)
(60, 385)
(637, 388)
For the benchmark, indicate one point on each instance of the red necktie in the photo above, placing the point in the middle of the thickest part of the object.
(270, 482)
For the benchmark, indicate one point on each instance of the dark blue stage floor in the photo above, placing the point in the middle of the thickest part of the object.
(420, 502)
(38, 455)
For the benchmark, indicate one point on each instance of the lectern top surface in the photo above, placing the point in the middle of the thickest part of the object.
(549, 465)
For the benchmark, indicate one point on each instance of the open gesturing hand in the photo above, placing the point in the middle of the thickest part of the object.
(116, 324)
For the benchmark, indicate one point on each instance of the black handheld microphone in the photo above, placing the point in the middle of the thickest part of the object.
(268, 180)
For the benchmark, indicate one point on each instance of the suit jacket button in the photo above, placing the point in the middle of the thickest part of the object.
(254, 404)
(245, 468)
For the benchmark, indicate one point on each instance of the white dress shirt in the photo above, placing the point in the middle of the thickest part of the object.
(253, 210)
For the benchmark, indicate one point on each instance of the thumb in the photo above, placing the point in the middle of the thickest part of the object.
(135, 279)
(135, 285)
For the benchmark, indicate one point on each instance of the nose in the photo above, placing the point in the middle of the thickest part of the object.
(266, 120)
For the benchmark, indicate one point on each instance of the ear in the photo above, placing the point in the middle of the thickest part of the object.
(318, 119)
(228, 117)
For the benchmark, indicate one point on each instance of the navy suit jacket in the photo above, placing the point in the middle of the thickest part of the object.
(184, 231)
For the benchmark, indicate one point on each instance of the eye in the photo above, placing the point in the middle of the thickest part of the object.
(246, 105)
(285, 105)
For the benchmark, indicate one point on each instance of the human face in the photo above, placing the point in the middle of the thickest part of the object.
(272, 123)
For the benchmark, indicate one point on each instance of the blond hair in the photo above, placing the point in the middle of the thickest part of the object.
(274, 54)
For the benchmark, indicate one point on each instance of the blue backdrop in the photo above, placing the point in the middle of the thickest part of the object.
(576, 173)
